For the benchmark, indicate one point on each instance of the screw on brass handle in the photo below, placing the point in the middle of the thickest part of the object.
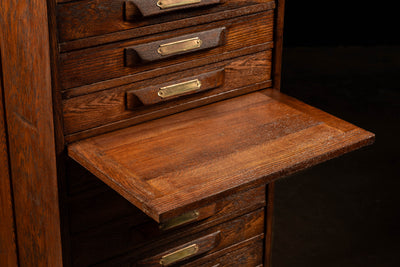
(180, 220)
(179, 46)
(180, 88)
(179, 255)
(165, 4)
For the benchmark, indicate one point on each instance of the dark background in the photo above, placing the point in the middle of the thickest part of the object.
(343, 57)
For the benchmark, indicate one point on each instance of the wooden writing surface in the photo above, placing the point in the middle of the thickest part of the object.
(170, 165)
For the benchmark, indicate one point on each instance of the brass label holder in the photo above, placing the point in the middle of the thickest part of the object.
(165, 4)
(180, 220)
(178, 89)
(179, 255)
(179, 46)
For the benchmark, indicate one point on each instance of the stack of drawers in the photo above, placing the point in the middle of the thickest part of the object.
(125, 62)
(119, 67)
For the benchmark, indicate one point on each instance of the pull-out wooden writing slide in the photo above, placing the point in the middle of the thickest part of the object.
(174, 165)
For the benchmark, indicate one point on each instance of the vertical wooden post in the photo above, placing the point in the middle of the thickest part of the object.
(277, 75)
(269, 224)
(8, 249)
(28, 103)
(278, 44)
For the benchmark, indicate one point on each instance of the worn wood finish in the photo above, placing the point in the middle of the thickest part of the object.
(107, 62)
(104, 85)
(88, 23)
(243, 254)
(278, 41)
(8, 249)
(140, 243)
(24, 35)
(110, 106)
(246, 253)
(134, 9)
(98, 209)
(171, 165)
(164, 112)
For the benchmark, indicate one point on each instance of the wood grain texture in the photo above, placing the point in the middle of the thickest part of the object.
(27, 88)
(8, 248)
(164, 112)
(230, 232)
(175, 164)
(244, 254)
(106, 62)
(278, 41)
(247, 253)
(102, 208)
(141, 76)
(90, 23)
(110, 106)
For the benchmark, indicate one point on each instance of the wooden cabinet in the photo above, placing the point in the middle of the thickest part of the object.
(150, 133)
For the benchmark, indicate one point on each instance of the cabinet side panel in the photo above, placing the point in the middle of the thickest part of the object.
(8, 249)
(28, 104)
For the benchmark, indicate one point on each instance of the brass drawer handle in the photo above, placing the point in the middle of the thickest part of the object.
(189, 86)
(178, 89)
(179, 46)
(179, 255)
(180, 220)
(163, 49)
(137, 9)
(165, 4)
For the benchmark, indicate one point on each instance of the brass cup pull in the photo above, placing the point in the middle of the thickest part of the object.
(165, 4)
(180, 88)
(179, 255)
(180, 220)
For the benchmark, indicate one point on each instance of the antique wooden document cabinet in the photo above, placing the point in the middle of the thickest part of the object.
(149, 132)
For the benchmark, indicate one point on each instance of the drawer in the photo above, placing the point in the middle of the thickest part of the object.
(245, 254)
(102, 21)
(142, 100)
(149, 57)
(178, 163)
(143, 249)
(96, 210)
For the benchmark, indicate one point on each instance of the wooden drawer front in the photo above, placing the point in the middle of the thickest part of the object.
(94, 18)
(96, 210)
(137, 99)
(107, 62)
(245, 254)
(142, 249)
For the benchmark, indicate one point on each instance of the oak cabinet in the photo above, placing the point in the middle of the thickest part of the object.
(150, 133)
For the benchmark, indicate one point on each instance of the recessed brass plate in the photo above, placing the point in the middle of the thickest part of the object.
(165, 4)
(179, 255)
(180, 220)
(179, 46)
(180, 88)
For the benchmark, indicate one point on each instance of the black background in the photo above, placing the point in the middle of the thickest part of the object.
(343, 57)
